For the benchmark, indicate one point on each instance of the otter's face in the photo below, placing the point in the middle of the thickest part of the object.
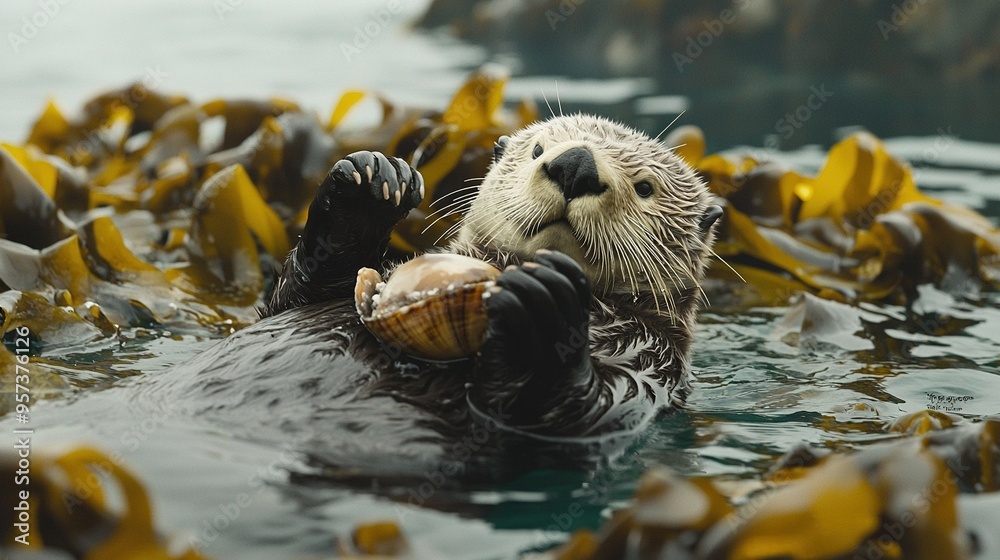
(624, 206)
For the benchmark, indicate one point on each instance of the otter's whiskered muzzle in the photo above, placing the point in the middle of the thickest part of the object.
(575, 171)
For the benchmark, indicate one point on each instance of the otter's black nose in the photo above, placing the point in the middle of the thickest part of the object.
(575, 172)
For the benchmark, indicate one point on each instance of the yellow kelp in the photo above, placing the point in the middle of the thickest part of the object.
(894, 501)
(859, 230)
(897, 500)
(891, 501)
(135, 213)
(66, 498)
(449, 148)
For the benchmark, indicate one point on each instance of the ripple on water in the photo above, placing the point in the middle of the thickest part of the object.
(767, 382)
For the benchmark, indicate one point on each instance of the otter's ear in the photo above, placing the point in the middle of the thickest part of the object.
(709, 217)
(499, 147)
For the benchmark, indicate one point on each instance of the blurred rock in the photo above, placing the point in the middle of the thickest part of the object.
(898, 67)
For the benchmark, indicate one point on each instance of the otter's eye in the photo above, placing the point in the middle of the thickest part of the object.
(644, 189)
(537, 151)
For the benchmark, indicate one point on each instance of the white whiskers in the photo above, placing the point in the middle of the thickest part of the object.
(666, 128)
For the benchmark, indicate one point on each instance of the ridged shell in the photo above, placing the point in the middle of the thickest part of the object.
(431, 307)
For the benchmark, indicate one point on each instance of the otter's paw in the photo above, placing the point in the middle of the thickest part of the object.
(539, 315)
(387, 182)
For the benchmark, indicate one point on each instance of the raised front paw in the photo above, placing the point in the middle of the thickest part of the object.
(538, 315)
(388, 183)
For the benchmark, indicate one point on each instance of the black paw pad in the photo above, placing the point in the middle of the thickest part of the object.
(384, 180)
(540, 310)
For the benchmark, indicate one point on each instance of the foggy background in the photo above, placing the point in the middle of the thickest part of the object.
(773, 73)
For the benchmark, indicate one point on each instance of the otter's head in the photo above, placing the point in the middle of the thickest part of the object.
(624, 206)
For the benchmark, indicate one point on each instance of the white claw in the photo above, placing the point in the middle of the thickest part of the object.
(402, 187)
(368, 170)
(357, 177)
(385, 190)
(398, 197)
(421, 191)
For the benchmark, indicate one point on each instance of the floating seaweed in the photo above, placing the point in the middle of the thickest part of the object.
(896, 500)
(133, 215)
(68, 497)
(207, 220)
(860, 230)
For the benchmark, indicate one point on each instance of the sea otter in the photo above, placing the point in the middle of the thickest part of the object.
(603, 235)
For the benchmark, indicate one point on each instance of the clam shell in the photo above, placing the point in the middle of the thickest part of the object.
(431, 307)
